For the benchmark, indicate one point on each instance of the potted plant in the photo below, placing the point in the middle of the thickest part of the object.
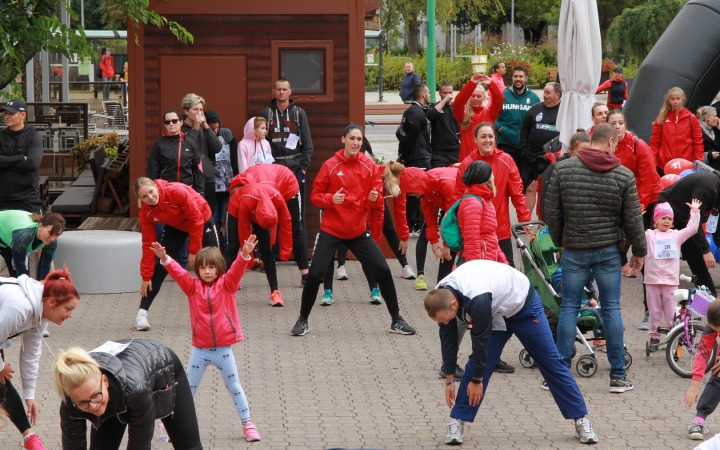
(81, 152)
(607, 67)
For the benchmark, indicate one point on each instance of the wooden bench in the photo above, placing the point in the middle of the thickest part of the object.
(385, 108)
(111, 223)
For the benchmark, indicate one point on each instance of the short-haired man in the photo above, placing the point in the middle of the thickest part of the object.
(291, 144)
(445, 131)
(414, 150)
(518, 101)
(592, 204)
(498, 301)
(409, 80)
(21, 152)
(537, 129)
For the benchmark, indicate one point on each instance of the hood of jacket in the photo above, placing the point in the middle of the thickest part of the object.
(413, 180)
(481, 191)
(598, 160)
(32, 302)
(249, 130)
(273, 104)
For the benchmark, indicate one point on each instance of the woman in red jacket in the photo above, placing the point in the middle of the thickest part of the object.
(259, 208)
(676, 132)
(469, 111)
(285, 181)
(185, 213)
(107, 67)
(508, 185)
(345, 186)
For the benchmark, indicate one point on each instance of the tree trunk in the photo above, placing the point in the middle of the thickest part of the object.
(412, 36)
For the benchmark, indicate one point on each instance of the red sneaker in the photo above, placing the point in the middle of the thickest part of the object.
(276, 298)
(34, 443)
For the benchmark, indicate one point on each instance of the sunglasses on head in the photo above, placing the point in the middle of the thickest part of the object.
(172, 121)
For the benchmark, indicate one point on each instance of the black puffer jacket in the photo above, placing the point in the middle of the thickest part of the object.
(592, 202)
(142, 389)
(163, 162)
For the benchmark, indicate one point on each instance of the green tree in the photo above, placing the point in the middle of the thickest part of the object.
(28, 26)
(634, 32)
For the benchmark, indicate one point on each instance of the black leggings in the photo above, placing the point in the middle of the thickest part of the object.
(367, 252)
(266, 253)
(173, 240)
(181, 425)
(506, 245)
(300, 245)
(14, 406)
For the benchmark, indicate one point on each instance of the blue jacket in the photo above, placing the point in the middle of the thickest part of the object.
(510, 119)
(409, 80)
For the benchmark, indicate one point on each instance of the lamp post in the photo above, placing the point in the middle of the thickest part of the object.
(431, 49)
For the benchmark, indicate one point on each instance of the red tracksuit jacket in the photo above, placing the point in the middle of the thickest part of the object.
(680, 136)
(275, 175)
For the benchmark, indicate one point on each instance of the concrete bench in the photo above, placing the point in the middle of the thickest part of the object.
(101, 261)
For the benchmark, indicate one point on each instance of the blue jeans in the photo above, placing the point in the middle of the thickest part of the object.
(224, 360)
(533, 331)
(106, 89)
(605, 266)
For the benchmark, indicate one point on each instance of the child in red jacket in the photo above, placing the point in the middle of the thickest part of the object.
(214, 319)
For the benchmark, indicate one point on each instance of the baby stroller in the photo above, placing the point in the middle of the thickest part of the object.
(541, 259)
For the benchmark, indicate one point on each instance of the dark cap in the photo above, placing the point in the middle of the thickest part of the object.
(618, 69)
(478, 172)
(14, 106)
(212, 117)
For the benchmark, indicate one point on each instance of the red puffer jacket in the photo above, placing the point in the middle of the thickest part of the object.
(482, 114)
(214, 315)
(680, 136)
(264, 205)
(507, 185)
(275, 175)
(477, 226)
(435, 188)
(637, 156)
(357, 177)
(179, 206)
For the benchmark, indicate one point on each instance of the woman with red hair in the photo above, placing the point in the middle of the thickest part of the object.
(26, 306)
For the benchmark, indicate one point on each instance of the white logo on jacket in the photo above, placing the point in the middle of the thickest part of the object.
(340, 174)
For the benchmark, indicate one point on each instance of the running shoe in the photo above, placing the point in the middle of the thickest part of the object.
(697, 432)
(399, 326)
(454, 432)
(327, 299)
(341, 273)
(408, 273)
(300, 328)
(584, 431)
(276, 298)
(251, 432)
(375, 297)
(620, 385)
(421, 283)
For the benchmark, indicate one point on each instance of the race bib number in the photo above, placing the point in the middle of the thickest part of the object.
(666, 249)
(711, 225)
(498, 324)
(111, 347)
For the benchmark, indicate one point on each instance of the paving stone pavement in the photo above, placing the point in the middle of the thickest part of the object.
(350, 383)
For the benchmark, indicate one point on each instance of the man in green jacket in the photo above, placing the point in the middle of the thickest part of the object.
(518, 100)
(591, 205)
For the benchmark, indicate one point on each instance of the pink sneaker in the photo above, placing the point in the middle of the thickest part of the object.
(251, 433)
(34, 443)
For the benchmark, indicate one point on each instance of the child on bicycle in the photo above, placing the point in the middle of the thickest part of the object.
(214, 315)
(711, 394)
(662, 264)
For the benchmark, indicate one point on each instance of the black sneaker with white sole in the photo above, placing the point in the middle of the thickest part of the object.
(620, 385)
(544, 386)
(697, 432)
(300, 328)
(399, 326)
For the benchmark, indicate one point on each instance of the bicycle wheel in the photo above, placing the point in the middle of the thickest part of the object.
(681, 351)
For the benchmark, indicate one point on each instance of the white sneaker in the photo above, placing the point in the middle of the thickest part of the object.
(408, 273)
(454, 432)
(341, 273)
(584, 431)
(141, 322)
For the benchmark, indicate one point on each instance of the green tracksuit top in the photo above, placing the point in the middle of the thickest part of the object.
(514, 108)
(17, 230)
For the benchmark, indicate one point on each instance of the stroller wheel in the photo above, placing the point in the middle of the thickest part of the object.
(647, 352)
(628, 360)
(586, 366)
(526, 360)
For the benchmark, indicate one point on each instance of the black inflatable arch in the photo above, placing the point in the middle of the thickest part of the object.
(687, 55)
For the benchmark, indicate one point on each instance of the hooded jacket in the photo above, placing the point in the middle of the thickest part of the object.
(679, 136)
(141, 387)
(513, 111)
(213, 309)
(280, 126)
(357, 177)
(207, 144)
(176, 159)
(179, 206)
(481, 114)
(592, 203)
(637, 156)
(435, 188)
(274, 175)
(264, 205)
(250, 151)
(507, 185)
(107, 66)
(19, 177)
(477, 226)
(21, 314)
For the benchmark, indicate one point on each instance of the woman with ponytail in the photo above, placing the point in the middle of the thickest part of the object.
(25, 306)
(22, 233)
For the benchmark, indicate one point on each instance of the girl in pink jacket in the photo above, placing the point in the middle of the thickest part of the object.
(254, 149)
(214, 319)
(662, 264)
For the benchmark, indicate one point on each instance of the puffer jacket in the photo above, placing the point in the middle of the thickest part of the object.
(637, 156)
(679, 136)
(477, 226)
(141, 390)
(264, 205)
(176, 159)
(435, 188)
(507, 185)
(178, 206)
(213, 309)
(275, 175)
(592, 203)
(482, 114)
(357, 177)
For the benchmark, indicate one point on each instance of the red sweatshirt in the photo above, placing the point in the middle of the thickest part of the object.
(482, 114)
(637, 156)
(680, 136)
